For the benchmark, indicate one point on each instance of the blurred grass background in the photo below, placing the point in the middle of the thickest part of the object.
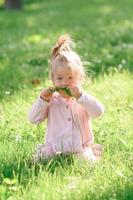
(103, 33)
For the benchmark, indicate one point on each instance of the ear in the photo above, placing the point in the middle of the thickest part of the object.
(52, 76)
(80, 77)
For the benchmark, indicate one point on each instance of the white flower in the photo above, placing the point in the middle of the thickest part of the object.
(58, 153)
(18, 138)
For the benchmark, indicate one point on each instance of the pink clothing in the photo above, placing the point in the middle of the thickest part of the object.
(68, 125)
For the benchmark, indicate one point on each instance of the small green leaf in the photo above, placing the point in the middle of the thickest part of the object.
(65, 89)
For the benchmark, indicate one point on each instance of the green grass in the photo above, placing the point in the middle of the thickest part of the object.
(102, 31)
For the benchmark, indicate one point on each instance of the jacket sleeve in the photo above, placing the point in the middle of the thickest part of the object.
(38, 111)
(92, 105)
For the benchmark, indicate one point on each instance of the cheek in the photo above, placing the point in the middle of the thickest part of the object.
(75, 82)
(57, 83)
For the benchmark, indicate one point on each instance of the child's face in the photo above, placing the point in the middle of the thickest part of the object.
(63, 77)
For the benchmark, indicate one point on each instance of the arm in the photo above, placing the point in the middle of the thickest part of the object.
(92, 106)
(38, 111)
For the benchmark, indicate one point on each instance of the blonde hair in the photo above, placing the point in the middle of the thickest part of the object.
(63, 55)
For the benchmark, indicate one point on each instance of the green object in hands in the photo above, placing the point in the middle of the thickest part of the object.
(65, 89)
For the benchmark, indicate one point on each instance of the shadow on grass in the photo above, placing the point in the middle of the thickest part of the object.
(25, 170)
(123, 192)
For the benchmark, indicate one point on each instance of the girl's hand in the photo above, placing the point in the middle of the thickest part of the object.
(46, 94)
(76, 91)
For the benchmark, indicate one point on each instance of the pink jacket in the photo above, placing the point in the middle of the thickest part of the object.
(67, 118)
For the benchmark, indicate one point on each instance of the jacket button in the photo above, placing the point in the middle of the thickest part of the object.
(67, 106)
(69, 119)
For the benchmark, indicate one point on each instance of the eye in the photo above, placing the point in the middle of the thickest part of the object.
(59, 78)
(70, 77)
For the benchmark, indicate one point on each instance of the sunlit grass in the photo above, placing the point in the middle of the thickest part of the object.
(103, 34)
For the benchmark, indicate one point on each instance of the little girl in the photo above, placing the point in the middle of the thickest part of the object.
(67, 107)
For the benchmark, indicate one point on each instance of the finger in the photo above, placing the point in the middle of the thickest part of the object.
(51, 90)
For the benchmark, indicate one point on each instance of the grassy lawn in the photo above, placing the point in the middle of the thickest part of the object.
(103, 32)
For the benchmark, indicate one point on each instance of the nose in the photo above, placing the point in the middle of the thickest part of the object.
(64, 84)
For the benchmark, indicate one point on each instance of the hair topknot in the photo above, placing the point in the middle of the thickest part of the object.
(63, 55)
(64, 43)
